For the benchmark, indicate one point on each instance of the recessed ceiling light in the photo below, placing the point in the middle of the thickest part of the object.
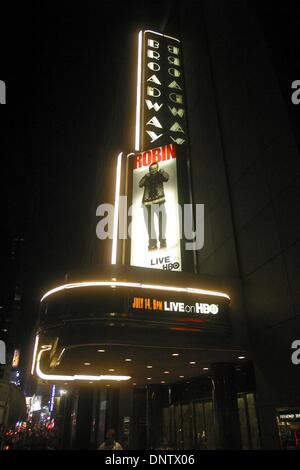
(149, 367)
(181, 376)
(91, 382)
(162, 382)
(101, 350)
(241, 357)
(111, 370)
(86, 363)
(205, 368)
(166, 371)
(175, 354)
(149, 378)
(192, 362)
(128, 359)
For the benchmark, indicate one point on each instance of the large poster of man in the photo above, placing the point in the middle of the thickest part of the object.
(155, 230)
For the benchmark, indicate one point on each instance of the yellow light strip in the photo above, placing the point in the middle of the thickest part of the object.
(67, 378)
(60, 356)
(160, 34)
(34, 353)
(188, 290)
(116, 211)
(138, 93)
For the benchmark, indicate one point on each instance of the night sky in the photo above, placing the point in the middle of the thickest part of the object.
(70, 75)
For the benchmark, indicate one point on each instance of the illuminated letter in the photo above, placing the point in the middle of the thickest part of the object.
(151, 91)
(177, 111)
(176, 98)
(171, 151)
(173, 50)
(147, 158)
(153, 136)
(153, 66)
(153, 54)
(174, 60)
(150, 105)
(137, 161)
(153, 44)
(154, 122)
(174, 72)
(178, 140)
(176, 128)
(174, 84)
(154, 79)
(156, 155)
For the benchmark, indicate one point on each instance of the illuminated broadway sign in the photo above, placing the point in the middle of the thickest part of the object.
(155, 180)
(160, 102)
(161, 131)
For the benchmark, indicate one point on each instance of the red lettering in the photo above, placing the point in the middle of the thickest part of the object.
(137, 162)
(156, 155)
(159, 154)
(171, 151)
(147, 158)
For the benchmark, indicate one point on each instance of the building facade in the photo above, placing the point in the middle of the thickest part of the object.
(244, 163)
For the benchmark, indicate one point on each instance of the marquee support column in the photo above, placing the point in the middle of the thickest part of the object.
(225, 407)
(83, 420)
(154, 416)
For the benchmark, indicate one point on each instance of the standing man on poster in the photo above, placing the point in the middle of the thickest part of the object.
(154, 203)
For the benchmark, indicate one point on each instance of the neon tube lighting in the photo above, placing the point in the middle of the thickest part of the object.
(60, 356)
(138, 93)
(34, 353)
(188, 290)
(67, 378)
(160, 34)
(116, 211)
